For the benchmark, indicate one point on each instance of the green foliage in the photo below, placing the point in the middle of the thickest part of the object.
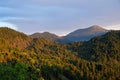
(14, 71)
(104, 48)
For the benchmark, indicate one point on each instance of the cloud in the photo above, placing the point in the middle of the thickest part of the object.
(9, 25)
(59, 15)
(114, 27)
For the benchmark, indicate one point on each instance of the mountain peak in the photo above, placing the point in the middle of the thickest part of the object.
(46, 35)
(86, 34)
(97, 27)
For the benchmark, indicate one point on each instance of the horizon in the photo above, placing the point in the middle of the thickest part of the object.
(10, 27)
(59, 17)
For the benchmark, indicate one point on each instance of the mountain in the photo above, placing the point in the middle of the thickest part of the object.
(85, 34)
(75, 36)
(26, 58)
(47, 35)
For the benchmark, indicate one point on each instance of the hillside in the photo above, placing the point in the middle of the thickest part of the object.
(103, 48)
(12, 39)
(43, 59)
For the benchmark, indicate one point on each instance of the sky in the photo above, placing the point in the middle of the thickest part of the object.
(59, 16)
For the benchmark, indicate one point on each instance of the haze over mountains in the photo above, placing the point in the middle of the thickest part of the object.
(75, 36)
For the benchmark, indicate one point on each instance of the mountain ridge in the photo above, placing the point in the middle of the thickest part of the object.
(46, 35)
(75, 36)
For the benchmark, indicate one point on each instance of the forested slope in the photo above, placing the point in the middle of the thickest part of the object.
(24, 58)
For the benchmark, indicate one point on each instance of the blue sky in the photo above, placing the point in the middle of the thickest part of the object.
(59, 16)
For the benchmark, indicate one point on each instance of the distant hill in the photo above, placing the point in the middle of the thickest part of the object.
(85, 34)
(46, 35)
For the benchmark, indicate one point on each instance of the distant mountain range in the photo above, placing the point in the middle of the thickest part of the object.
(75, 36)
